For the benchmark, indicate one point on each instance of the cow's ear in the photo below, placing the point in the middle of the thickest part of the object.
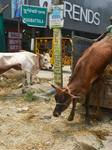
(41, 56)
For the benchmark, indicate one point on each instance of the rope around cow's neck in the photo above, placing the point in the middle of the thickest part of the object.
(50, 83)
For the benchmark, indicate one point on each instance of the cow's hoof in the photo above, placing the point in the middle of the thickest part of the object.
(31, 83)
(70, 118)
(87, 120)
(23, 92)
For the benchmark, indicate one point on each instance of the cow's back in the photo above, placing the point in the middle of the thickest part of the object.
(28, 61)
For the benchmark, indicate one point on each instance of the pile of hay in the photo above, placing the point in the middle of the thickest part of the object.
(107, 74)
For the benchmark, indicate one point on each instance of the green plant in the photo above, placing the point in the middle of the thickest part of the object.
(30, 97)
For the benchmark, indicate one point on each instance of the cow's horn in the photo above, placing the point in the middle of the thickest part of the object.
(53, 86)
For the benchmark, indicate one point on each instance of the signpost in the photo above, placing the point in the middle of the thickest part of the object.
(34, 16)
(56, 22)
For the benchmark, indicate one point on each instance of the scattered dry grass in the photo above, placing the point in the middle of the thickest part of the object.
(31, 130)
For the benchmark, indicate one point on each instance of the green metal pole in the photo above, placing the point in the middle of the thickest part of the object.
(2, 35)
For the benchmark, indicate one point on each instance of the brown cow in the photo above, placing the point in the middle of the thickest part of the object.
(88, 68)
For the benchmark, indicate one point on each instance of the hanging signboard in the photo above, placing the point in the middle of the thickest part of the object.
(16, 8)
(56, 16)
(34, 16)
(13, 40)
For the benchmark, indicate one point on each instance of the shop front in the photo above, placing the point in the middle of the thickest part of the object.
(87, 18)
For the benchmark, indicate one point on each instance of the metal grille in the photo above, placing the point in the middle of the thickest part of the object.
(80, 45)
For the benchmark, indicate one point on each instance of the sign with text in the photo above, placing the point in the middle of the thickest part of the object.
(57, 57)
(13, 40)
(34, 16)
(56, 16)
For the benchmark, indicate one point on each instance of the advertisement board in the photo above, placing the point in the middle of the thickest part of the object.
(13, 40)
(16, 8)
(56, 16)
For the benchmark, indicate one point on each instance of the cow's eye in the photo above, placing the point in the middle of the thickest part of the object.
(45, 59)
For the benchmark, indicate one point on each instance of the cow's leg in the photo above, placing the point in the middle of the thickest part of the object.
(72, 114)
(31, 83)
(87, 119)
(23, 87)
(28, 81)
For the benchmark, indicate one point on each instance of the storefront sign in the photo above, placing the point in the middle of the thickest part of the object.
(57, 57)
(16, 8)
(13, 40)
(79, 13)
(34, 16)
(56, 16)
(84, 15)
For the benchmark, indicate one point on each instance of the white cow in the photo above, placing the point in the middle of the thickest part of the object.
(46, 61)
(29, 61)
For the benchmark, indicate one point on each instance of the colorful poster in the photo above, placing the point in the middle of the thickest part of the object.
(13, 40)
(16, 8)
(56, 16)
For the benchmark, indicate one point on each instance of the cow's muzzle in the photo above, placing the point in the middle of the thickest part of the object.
(50, 68)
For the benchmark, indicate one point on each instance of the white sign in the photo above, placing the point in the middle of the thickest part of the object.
(56, 16)
(14, 35)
